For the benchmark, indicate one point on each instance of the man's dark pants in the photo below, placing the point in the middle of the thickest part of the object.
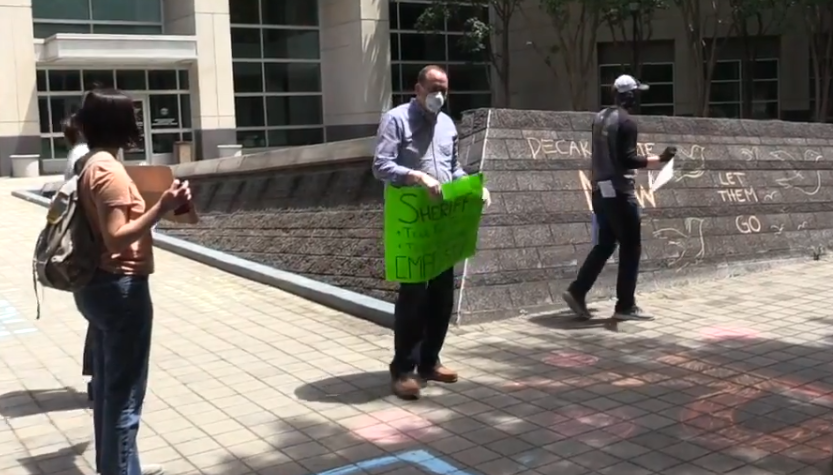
(422, 314)
(618, 221)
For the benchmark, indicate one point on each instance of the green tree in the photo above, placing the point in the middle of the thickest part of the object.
(754, 19)
(482, 33)
(816, 17)
(576, 26)
(706, 32)
(619, 20)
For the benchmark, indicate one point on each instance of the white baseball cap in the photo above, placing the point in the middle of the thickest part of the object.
(627, 83)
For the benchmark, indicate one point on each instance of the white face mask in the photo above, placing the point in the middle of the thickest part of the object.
(434, 102)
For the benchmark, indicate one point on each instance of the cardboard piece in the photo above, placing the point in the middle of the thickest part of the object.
(152, 181)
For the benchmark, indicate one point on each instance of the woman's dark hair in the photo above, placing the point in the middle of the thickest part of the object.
(69, 127)
(107, 119)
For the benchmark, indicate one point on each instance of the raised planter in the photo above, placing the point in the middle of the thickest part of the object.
(226, 151)
(25, 166)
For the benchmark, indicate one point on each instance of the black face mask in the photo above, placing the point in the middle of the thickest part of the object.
(627, 99)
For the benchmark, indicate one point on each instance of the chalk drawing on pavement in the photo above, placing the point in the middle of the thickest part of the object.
(421, 458)
(12, 322)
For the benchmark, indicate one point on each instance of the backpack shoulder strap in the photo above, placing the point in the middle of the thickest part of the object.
(93, 156)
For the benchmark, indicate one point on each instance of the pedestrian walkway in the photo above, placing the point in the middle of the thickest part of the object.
(734, 376)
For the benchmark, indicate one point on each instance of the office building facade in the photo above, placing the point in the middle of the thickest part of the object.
(279, 73)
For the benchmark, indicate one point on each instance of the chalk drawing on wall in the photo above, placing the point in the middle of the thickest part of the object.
(12, 322)
(689, 244)
(695, 154)
(802, 181)
(422, 459)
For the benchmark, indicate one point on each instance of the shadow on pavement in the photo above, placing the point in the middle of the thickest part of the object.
(589, 403)
(41, 401)
(64, 461)
(357, 388)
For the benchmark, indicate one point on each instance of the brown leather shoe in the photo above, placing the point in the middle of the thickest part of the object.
(406, 387)
(440, 374)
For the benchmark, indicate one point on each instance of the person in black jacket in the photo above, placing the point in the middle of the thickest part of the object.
(614, 160)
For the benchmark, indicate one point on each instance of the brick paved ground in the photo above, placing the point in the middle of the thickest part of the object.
(734, 377)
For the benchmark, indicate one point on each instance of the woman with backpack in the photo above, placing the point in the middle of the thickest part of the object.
(116, 302)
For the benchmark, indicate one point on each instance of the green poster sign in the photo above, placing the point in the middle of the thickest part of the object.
(425, 236)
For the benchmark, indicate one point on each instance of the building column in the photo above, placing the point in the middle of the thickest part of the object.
(355, 66)
(19, 122)
(211, 78)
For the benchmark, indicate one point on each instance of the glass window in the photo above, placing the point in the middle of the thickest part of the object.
(164, 143)
(609, 72)
(425, 48)
(295, 137)
(184, 81)
(293, 110)
(766, 69)
(127, 10)
(41, 78)
(393, 14)
(61, 80)
(43, 112)
(656, 73)
(459, 103)
(765, 91)
(460, 50)
(292, 77)
(410, 74)
(45, 30)
(98, 79)
(248, 77)
(765, 110)
(63, 107)
(290, 12)
(469, 77)
(294, 44)
(244, 12)
(401, 99)
(724, 92)
(460, 17)
(658, 94)
(251, 138)
(409, 14)
(726, 71)
(185, 110)
(131, 80)
(395, 49)
(61, 149)
(724, 111)
(245, 43)
(127, 29)
(162, 80)
(164, 111)
(647, 109)
(250, 111)
(61, 10)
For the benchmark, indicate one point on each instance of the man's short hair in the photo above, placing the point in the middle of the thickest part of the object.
(107, 119)
(423, 73)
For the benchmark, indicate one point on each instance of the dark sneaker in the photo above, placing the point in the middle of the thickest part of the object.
(633, 313)
(576, 304)
(406, 387)
(440, 374)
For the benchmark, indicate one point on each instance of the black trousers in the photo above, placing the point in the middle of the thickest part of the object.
(618, 222)
(422, 314)
(89, 350)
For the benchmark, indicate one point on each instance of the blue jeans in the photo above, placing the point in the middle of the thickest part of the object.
(618, 221)
(120, 313)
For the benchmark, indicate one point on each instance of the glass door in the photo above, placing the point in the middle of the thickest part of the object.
(140, 152)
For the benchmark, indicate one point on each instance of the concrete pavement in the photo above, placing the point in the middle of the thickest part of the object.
(734, 376)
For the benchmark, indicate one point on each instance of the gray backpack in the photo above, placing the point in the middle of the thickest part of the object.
(67, 252)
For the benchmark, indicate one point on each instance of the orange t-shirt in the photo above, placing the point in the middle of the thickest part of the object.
(106, 183)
